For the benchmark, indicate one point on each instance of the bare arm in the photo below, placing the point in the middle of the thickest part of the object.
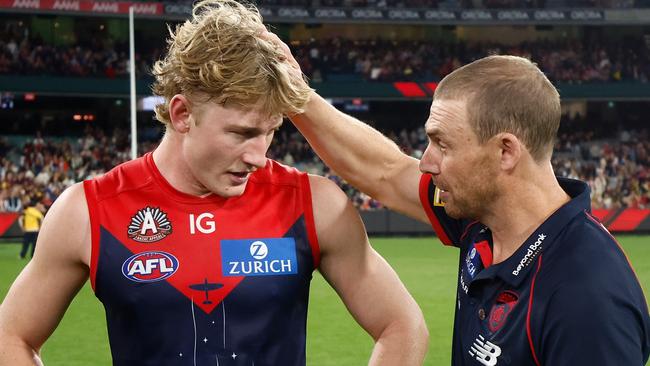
(362, 156)
(42, 292)
(357, 152)
(368, 286)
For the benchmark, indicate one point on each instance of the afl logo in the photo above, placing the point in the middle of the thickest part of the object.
(149, 266)
(149, 225)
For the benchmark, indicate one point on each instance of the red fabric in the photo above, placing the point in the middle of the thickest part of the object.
(116, 198)
(425, 181)
(309, 220)
(483, 248)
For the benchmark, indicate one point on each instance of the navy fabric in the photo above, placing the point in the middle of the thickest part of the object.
(261, 322)
(567, 296)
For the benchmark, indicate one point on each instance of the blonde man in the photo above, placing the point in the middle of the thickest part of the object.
(202, 251)
(540, 281)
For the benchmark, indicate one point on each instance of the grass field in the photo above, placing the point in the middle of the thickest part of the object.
(427, 268)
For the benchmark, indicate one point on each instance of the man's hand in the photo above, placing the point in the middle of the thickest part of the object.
(273, 38)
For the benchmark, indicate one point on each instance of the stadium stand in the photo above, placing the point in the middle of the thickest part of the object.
(617, 168)
(58, 47)
(338, 59)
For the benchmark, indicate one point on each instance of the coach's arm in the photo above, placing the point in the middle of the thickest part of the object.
(42, 292)
(357, 152)
(368, 286)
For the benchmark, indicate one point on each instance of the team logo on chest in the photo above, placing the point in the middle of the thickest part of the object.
(505, 302)
(149, 225)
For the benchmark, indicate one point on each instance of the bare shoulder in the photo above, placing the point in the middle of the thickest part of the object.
(66, 227)
(337, 221)
(326, 196)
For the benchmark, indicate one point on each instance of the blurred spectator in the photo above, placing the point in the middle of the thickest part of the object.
(616, 167)
(340, 59)
(30, 221)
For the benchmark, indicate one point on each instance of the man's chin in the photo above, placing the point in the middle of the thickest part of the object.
(231, 191)
(454, 211)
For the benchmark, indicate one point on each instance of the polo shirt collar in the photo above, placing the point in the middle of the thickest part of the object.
(515, 269)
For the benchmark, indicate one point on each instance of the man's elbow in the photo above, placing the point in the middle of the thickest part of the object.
(412, 334)
(420, 334)
(15, 351)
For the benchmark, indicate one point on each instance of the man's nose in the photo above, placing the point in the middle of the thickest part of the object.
(430, 161)
(255, 154)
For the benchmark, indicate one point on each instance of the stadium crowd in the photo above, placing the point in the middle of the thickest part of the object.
(562, 61)
(449, 4)
(616, 167)
(337, 59)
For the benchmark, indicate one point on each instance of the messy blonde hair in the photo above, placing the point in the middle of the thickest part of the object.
(218, 55)
(507, 94)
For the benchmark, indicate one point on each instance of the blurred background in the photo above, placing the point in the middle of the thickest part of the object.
(65, 117)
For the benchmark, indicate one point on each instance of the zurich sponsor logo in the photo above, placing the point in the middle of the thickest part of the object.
(259, 250)
(259, 257)
(531, 253)
(149, 266)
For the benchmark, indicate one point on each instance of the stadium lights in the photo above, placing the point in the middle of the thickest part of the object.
(83, 117)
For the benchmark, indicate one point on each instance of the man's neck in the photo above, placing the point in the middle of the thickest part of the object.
(519, 213)
(172, 167)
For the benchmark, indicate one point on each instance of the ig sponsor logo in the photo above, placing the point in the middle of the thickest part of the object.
(204, 223)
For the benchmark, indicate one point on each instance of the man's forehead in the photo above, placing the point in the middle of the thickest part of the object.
(445, 114)
(252, 115)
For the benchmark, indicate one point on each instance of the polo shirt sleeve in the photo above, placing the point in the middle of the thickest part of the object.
(578, 331)
(449, 230)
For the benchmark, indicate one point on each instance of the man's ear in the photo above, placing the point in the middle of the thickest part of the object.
(180, 113)
(511, 150)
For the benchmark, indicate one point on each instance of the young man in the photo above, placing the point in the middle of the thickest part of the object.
(541, 282)
(202, 251)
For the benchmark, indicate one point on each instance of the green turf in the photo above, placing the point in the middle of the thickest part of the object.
(427, 268)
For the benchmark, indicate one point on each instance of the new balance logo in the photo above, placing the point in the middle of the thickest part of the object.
(485, 352)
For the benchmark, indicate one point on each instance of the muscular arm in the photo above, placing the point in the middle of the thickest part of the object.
(368, 286)
(42, 292)
(363, 156)
(357, 152)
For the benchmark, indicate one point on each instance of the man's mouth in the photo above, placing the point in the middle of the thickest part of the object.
(240, 174)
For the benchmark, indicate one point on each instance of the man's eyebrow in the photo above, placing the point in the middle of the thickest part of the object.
(245, 129)
(434, 131)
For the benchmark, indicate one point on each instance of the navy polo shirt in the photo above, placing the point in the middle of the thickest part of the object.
(567, 296)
